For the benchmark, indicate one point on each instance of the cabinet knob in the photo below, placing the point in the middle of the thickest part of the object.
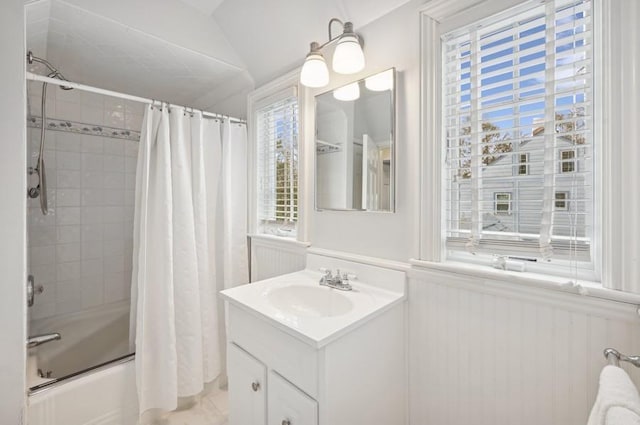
(286, 422)
(255, 386)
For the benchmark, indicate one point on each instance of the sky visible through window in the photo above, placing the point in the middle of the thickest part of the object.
(520, 75)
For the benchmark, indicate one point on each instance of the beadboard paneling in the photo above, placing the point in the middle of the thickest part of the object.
(272, 257)
(488, 357)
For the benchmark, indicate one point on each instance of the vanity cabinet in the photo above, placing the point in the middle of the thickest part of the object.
(252, 394)
(288, 405)
(276, 378)
(247, 389)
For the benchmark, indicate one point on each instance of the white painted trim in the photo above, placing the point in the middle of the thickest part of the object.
(532, 292)
(278, 241)
(619, 89)
(441, 16)
(431, 152)
(362, 259)
(517, 280)
(455, 14)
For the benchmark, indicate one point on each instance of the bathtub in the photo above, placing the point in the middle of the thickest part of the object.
(92, 375)
(89, 338)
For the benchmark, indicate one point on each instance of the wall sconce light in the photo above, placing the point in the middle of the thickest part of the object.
(348, 57)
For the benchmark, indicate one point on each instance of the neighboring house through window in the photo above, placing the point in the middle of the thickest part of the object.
(516, 102)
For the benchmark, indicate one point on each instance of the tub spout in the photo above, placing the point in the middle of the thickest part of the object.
(36, 340)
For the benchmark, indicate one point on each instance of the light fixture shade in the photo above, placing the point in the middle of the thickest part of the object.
(348, 58)
(348, 92)
(314, 71)
(380, 82)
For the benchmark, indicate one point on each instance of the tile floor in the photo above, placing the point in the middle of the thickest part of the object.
(211, 409)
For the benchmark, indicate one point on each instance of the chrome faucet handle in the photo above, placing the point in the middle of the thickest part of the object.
(325, 271)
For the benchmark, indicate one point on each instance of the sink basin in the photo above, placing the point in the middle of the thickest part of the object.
(310, 301)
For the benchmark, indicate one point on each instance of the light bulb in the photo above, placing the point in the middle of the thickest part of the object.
(348, 57)
(314, 71)
(348, 92)
(380, 82)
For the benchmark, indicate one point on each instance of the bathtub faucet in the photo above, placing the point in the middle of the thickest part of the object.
(36, 340)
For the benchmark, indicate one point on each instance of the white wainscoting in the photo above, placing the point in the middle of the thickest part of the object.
(272, 256)
(483, 353)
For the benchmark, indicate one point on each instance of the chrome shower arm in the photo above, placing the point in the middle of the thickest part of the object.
(53, 71)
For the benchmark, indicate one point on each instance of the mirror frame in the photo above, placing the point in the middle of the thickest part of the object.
(392, 171)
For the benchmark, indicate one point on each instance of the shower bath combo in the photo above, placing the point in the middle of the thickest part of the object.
(40, 190)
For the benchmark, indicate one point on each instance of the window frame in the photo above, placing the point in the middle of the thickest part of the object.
(524, 164)
(572, 161)
(565, 200)
(257, 100)
(440, 19)
(497, 202)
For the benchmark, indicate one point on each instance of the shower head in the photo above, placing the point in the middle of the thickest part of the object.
(53, 71)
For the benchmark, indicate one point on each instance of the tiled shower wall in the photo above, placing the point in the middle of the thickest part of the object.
(81, 251)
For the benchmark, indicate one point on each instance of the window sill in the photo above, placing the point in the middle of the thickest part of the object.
(280, 240)
(530, 280)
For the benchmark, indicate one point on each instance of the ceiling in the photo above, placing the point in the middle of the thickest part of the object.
(203, 53)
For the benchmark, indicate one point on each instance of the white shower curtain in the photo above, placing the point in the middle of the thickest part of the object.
(177, 244)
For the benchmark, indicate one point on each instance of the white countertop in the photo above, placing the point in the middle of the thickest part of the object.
(365, 301)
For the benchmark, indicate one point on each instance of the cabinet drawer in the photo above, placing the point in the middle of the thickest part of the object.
(288, 405)
(247, 388)
(292, 358)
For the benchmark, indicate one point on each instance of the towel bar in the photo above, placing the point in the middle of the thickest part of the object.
(615, 357)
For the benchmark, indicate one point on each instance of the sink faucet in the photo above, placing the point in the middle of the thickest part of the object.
(340, 282)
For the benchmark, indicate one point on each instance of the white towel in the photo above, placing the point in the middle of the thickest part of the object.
(615, 391)
(621, 416)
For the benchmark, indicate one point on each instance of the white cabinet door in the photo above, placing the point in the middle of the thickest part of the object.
(247, 388)
(288, 405)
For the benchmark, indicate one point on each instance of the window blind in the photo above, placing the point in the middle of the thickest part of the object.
(517, 118)
(277, 157)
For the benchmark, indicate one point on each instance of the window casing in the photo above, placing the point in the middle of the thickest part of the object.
(277, 167)
(562, 201)
(523, 161)
(521, 84)
(502, 202)
(568, 161)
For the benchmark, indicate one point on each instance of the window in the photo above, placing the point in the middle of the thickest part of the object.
(567, 161)
(277, 161)
(514, 84)
(562, 201)
(523, 160)
(502, 203)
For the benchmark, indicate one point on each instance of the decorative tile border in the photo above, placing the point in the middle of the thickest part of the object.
(82, 128)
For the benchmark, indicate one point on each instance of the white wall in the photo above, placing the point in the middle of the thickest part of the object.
(391, 41)
(480, 351)
(12, 213)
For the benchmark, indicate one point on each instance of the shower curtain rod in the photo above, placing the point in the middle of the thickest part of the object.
(43, 79)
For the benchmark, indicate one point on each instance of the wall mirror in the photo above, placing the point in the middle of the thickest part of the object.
(354, 145)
